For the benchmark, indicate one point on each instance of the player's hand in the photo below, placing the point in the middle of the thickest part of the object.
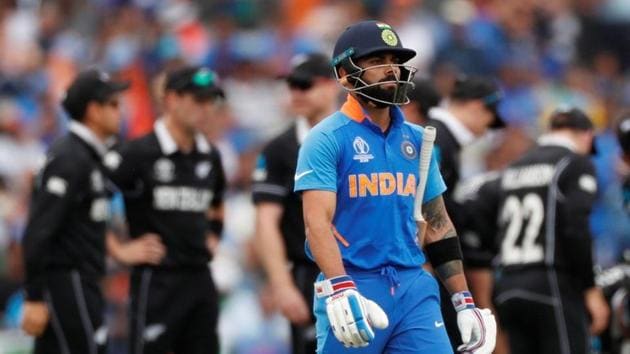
(477, 327)
(351, 316)
(212, 243)
(597, 309)
(35, 318)
(146, 249)
(292, 304)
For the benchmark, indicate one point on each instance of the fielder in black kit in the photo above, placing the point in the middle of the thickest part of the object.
(279, 223)
(173, 182)
(64, 242)
(544, 292)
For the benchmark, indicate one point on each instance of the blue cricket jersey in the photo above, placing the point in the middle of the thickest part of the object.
(374, 176)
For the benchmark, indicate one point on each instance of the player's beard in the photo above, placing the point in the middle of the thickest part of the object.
(383, 94)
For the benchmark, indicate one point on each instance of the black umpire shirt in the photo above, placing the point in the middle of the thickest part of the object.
(68, 212)
(168, 192)
(273, 182)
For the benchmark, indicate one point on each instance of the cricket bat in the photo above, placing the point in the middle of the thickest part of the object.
(428, 139)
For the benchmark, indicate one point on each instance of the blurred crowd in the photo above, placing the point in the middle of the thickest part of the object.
(543, 54)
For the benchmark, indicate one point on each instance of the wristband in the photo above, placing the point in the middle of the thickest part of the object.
(443, 251)
(333, 286)
(462, 300)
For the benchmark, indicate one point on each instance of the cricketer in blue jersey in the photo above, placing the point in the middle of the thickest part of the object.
(358, 174)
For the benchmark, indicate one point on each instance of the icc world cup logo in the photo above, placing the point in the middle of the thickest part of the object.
(362, 150)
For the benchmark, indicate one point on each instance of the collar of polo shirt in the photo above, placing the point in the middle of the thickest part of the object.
(167, 143)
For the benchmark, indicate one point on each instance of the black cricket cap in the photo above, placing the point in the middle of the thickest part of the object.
(572, 118)
(365, 38)
(425, 95)
(90, 85)
(623, 132)
(306, 67)
(480, 88)
(201, 82)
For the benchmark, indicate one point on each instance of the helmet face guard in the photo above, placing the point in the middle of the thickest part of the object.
(372, 91)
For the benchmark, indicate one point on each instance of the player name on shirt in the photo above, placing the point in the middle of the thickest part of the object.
(382, 183)
(528, 176)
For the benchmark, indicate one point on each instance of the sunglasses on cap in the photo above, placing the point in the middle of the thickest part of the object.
(300, 84)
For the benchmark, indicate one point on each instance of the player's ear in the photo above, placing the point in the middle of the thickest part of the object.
(343, 79)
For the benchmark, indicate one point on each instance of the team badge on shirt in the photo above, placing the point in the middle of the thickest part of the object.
(408, 150)
(164, 170)
(362, 150)
(202, 169)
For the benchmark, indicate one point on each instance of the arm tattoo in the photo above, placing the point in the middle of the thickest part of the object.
(437, 217)
(449, 269)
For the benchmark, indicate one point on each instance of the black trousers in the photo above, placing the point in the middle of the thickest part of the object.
(76, 305)
(173, 311)
(542, 312)
(303, 338)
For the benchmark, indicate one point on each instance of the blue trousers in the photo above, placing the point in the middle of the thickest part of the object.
(411, 300)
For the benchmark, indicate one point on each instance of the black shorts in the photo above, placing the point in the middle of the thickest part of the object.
(76, 305)
(542, 312)
(173, 311)
(303, 338)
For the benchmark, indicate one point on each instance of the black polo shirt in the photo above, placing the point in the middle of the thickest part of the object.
(545, 200)
(273, 182)
(169, 192)
(68, 211)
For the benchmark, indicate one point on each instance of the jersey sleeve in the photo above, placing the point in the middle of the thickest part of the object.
(435, 183)
(57, 189)
(270, 177)
(317, 163)
(578, 188)
(122, 163)
(478, 201)
(221, 186)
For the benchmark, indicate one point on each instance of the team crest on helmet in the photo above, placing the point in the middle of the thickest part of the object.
(408, 150)
(362, 149)
(389, 37)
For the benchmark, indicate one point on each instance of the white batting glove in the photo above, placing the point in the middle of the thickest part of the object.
(476, 326)
(351, 316)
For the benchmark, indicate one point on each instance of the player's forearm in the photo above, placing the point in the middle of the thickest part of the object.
(324, 248)
(114, 247)
(273, 257)
(441, 244)
(319, 208)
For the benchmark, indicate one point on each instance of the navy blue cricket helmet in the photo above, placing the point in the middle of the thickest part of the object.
(362, 40)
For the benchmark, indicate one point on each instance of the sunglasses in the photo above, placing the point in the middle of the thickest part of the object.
(300, 85)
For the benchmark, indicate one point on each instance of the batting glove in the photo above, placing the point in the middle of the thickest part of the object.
(351, 316)
(476, 326)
